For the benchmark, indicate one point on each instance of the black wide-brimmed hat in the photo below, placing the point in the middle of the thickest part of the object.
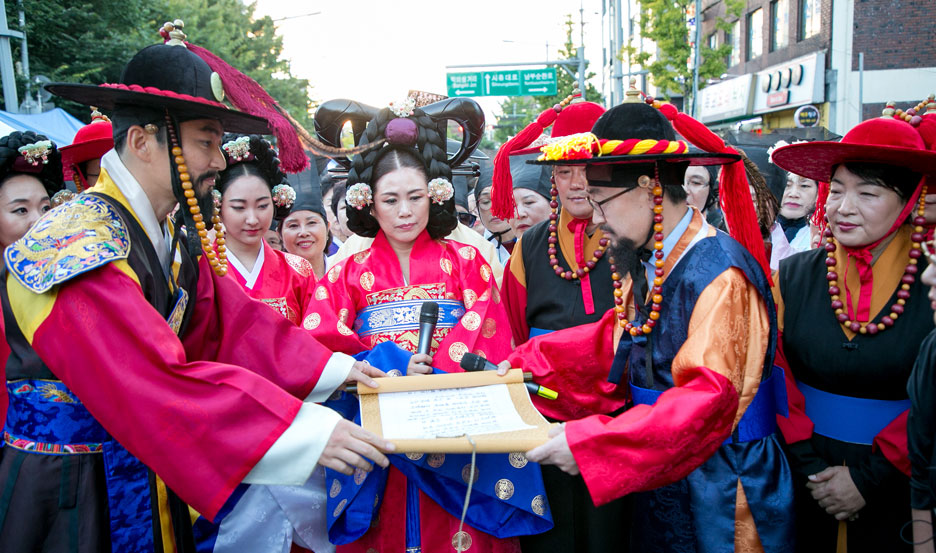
(632, 132)
(166, 76)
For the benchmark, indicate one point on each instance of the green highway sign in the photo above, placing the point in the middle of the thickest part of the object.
(538, 82)
(515, 82)
(464, 84)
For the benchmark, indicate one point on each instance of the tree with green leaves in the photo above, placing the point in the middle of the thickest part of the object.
(664, 22)
(518, 111)
(89, 41)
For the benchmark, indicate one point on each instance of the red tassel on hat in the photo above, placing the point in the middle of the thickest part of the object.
(818, 217)
(735, 194)
(502, 200)
(248, 96)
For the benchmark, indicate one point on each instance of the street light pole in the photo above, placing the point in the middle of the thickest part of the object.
(617, 77)
(698, 57)
(7, 74)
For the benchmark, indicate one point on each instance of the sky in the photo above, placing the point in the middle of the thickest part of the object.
(376, 51)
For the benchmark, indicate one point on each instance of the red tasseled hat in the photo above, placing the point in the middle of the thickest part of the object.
(91, 142)
(577, 117)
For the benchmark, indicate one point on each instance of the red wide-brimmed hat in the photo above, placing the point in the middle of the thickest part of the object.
(883, 140)
(91, 142)
(576, 117)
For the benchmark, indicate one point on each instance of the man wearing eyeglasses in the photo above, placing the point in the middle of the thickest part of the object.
(690, 344)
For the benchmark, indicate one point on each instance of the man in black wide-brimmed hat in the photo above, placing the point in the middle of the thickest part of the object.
(690, 342)
(128, 392)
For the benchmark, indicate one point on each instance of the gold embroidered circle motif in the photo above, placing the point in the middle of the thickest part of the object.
(321, 293)
(446, 266)
(495, 294)
(467, 252)
(489, 328)
(344, 330)
(361, 257)
(469, 297)
(436, 460)
(335, 488)
(300, 265)
(359, 476)
(471, 321)
(539, 505)
(466, 470)
(517, 460)
(480, 353)
(457, 351)
(343, 315)
(312, 321)
(333, 274)
(504, 489)
(485, 272)
(414, 456)
(339, 507)
(461, 541)
(394, 372)
(367, 280)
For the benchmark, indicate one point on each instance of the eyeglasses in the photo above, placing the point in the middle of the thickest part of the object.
(596, 206)
(467, 219)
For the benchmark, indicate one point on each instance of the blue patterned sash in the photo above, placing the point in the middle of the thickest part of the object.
(45, 418)
(400, 316)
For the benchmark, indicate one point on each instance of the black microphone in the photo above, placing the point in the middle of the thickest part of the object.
(428, 317)
(472, 363)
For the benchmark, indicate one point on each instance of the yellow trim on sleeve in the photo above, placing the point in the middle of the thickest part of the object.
(29, 308)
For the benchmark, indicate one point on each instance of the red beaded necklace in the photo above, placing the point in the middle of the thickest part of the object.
(903, 294)
(657, 290)
(552, 248)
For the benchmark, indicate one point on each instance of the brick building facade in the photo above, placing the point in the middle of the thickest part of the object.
(774, 41)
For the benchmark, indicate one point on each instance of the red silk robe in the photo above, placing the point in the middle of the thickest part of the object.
(439, 269)
(283, 282)
(184, 406)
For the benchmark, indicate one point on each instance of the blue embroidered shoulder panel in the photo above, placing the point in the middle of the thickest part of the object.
(78, 236)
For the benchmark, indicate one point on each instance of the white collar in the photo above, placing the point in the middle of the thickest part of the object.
(157, 232)
(249, 276)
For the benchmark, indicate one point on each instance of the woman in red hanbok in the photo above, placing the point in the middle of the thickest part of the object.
(253, 193)
(401, 196)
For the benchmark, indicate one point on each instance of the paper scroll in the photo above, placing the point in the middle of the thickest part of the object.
(435, 413)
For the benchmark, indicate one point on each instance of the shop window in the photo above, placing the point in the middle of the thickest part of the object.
(810, 17)
(779, 24)
(755, 34)
(713, 41)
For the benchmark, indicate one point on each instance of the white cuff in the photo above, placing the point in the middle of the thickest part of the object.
(333, 375)
(293, 456)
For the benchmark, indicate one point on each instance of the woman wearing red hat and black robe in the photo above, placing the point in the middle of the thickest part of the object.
(852, 315)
